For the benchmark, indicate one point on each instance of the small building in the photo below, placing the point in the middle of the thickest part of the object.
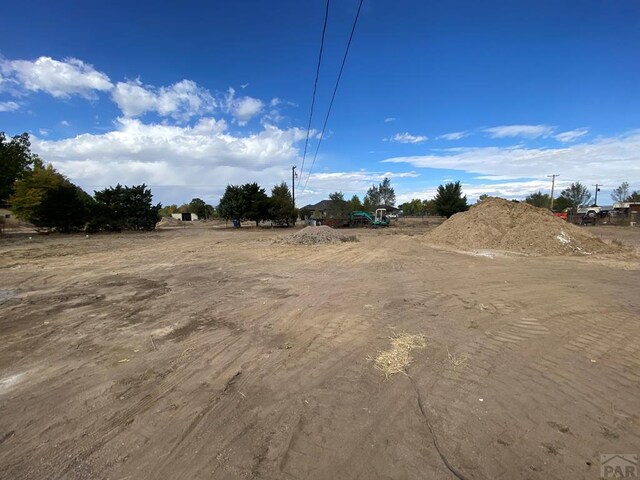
(185, 217)
(318, 210)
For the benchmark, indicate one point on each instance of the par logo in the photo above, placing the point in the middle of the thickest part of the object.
(616, 465)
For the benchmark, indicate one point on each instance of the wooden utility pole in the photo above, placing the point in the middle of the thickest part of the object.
(293, 185)
(553, 185)
(595, 200)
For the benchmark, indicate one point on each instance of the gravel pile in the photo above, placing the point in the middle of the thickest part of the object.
(498, 224)
(314, 236)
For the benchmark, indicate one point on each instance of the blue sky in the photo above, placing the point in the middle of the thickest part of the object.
(187, 98)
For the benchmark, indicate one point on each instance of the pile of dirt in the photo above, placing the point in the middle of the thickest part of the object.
(169, 222)
(314, 236)
(498, 224)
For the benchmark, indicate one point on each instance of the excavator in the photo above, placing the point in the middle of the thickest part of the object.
(365, 219)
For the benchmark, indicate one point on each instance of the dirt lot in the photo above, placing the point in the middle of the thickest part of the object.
(210, 353)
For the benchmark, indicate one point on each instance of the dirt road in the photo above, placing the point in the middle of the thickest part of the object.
(201, 353)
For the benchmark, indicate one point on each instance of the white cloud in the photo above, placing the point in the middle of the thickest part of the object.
(181, 100)
(273, 116)
(526, 131)
(275, 101)
(389, 119)
(242, 109)
(453, 136)
(8, 106)
(58, 78)
(44, 132)
(571, 135)
(406, 137)
(65, 123)
(609, 160)
(184, 161)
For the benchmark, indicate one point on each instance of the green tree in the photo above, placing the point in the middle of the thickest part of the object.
(381, 194)
(560, 204)
(367, 204)
(168, 210)
(387, 193)
(48, 200)
(31, 189)
(429, 207)
(281, 208)
(449, 199)
(305, 213)
(124, 208)
(338, 206)
(355, 204)
(256, 202)
(16, 162)
(539, 199)
(413, 208)
(621, 194)
(576, 195)
(65, 208)
(201, 208)
(232, 204)
(634, 197)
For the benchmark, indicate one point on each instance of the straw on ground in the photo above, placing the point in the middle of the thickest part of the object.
(397, 359)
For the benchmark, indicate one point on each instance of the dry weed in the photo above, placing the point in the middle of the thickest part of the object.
(397, 359)
(455, 360)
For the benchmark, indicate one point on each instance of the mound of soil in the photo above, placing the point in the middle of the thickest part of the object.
(314, 236)
(498, 224)
(168, 222)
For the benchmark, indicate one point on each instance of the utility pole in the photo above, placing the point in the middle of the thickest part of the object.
(553, 185)
(293, 185)
(595, 200)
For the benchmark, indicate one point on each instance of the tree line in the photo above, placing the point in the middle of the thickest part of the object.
(578, 195)
(39, 194)
(251, 202)
(198, 206)
(447, 201)
(380, 195)
(450, 200)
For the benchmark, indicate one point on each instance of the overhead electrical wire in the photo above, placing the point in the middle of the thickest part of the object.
(335, 90)
(315, 88)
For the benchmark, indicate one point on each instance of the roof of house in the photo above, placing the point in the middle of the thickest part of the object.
(321, 205)
(390, 208)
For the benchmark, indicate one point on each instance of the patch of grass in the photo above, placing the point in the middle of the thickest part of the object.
(397, 359)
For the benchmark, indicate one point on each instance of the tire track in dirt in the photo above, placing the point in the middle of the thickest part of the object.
(540, 386)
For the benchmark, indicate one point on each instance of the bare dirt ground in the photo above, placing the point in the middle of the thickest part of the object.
(217, 354)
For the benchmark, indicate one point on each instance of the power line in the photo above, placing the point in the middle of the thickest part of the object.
(335, 90)
(315, 88)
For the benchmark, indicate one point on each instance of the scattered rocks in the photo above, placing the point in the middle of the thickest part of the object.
(314, 236)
